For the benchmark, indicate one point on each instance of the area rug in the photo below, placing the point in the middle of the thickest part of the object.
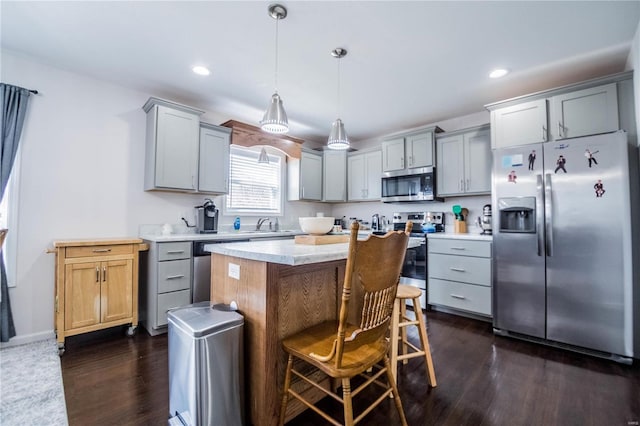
(31, 391)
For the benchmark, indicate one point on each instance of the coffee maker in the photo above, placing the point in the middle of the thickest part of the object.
(484, 221)
(207, 218)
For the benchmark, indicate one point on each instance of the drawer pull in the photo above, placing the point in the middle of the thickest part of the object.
(456, 296)
(107, 250)
(458, 269)
(175, 251)
(173, 277)
(458, 248)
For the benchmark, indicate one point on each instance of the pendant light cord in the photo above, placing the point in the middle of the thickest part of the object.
(276, 74)
(339, 59)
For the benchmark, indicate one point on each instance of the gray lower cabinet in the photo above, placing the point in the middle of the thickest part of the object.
(166, 283)
(459, 274)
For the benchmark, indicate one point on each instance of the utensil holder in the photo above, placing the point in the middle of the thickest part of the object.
(460, 227)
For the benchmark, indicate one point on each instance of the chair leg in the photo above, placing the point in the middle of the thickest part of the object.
(348, 405)
(403, 330)
(285, 393)
(396, 395)
(395, 321)
(424, 339)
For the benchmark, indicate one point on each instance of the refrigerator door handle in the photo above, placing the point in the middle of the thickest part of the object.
(548, 213)
(539, 217)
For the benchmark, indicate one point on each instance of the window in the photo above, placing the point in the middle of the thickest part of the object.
(8, 219)
(255, 188)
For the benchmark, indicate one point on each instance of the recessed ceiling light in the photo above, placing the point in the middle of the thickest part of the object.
(500, 72)
(201, 70)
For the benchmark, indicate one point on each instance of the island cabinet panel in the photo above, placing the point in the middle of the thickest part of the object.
(276, 301)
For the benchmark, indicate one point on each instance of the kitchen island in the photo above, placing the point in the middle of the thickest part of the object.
(280, 288)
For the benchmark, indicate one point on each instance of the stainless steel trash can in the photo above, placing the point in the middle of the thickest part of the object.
(205, 365)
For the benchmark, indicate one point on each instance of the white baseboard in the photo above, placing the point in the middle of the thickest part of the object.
(29, 338)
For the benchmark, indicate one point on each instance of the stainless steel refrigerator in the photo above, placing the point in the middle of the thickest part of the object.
(563, 265)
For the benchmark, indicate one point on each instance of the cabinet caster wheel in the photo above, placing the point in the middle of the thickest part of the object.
(131, 331)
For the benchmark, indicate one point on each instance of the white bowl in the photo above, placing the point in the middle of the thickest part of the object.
(316, 225)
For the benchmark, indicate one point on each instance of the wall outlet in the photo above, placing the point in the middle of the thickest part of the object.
(234, 271)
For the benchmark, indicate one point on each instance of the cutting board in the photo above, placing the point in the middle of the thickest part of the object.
(322, 239)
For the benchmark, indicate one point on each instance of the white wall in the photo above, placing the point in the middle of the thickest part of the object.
(633, 63)
(81, 176)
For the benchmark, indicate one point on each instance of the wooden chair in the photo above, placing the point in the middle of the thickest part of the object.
(343, 350)
(3, 235)
(399, 324)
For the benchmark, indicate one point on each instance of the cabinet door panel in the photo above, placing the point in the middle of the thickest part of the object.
(521, 124)
(356, 166)
(419, 150)
(450, 177)
(477, 160)
(311, 176)
(82, 294)
(335, 176)
(393, 155)
(213, 170)
(585, 112)
(176, 149)
(117, 289)
(373, 172)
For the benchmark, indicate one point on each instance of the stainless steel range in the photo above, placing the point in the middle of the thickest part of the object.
(414, 269)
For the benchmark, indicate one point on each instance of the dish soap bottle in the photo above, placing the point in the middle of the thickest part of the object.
(236, 224)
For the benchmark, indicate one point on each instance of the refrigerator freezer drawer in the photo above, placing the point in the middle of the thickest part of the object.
(459, 247)
(468, 297)
(168, 301)
(175, 275)
(473, 270)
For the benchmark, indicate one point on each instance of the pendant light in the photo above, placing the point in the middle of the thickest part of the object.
(275, 118)
(338, 138)
(264, 157)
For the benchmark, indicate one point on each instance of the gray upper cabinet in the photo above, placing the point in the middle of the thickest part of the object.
(585, 112)
(520, 124)
(213, 169)
(304, 176)
(463, 164)
(583, 109)
(334, 188)
(364, 173)
(172, 144)
(411, 150)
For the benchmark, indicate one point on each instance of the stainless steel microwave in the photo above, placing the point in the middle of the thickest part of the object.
(409, 185)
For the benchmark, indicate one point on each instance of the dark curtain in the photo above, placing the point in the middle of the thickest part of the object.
(14, 102)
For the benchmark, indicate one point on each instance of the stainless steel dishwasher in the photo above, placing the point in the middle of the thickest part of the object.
(201, 285)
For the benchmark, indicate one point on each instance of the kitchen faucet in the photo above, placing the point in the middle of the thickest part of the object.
(260, 222)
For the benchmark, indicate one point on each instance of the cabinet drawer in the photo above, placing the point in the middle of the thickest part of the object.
(173, 251)
(90, 251)
(474, 270)
(459, 247)
(468, 297)
(174, 275)
(169, 301)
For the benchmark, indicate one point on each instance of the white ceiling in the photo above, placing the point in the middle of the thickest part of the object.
(409, 63)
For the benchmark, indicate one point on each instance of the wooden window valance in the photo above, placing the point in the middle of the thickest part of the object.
(246, 135)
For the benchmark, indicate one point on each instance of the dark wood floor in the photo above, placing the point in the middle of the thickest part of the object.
(483, 379)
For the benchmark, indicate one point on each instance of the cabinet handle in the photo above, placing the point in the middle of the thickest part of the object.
(457, 296)
(402, 162)
(544, 133)
(175, 251)
(458, 248)
(457, 269)
(104, 273)
(411, 160)
(174, 277)
(97, 274)
(102, 250)
(559, 129)
(193, 182)
(466, 188)
(461, 186)
(303, 192)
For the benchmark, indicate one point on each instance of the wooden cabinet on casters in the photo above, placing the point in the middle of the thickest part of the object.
(96, 286)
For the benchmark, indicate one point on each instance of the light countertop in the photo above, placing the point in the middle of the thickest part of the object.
(226, 236)
(468, 236)
(287, 252)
